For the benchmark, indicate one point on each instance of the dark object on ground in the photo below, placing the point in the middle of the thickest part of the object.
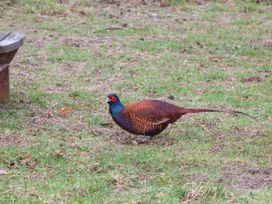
(9, 44)
(150, 117)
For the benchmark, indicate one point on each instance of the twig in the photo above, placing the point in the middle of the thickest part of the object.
(75, 24)
(107, 38)
(109, 29)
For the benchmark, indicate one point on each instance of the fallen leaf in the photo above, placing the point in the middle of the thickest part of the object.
(65, 110)
(58, 153)
(189, 197)
(34, 192)
(28, 161)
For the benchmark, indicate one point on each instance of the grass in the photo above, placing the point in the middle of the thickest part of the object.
(58, 143)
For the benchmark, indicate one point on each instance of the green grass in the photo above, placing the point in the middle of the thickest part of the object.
(74, 54)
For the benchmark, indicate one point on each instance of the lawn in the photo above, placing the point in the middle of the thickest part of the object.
(58, 143)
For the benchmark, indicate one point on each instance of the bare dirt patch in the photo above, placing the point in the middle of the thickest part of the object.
(38, 41)
(252, 79)
(53, 119)
(250, 131)
(13, 140)
(128, 139)
(267, 42)
(216, 148)
(243, 176)
(199, 177)
(87, 42)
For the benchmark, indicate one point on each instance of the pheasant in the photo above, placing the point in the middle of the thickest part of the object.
(150, 117)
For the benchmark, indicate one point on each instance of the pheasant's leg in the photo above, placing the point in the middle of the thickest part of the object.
(144, 139)
(147, 137)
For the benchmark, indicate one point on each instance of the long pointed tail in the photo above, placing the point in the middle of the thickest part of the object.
(199, 110)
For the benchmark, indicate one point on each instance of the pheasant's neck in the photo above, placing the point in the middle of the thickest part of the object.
(116, 108)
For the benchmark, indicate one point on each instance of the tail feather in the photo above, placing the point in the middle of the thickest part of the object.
(200, 110)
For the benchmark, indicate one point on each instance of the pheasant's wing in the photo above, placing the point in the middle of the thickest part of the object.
(157, 112)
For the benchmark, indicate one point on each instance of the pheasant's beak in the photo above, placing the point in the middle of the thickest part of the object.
(108, 100)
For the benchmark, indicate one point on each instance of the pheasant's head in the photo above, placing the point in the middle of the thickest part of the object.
(112, 98)
(115, 105)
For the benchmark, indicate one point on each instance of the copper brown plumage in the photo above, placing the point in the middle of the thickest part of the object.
(150, 117)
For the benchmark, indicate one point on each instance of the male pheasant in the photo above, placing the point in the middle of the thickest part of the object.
(150, 117)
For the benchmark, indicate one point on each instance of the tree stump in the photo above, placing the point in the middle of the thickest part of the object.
(9, 44)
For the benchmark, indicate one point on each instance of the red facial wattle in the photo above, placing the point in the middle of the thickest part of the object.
(112, 99)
